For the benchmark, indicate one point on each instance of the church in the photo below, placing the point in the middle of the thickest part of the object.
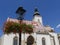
(41, 35)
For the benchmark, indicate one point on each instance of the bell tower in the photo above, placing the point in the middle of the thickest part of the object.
(37, 17)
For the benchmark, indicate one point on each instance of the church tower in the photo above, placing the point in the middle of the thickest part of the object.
(37, 17)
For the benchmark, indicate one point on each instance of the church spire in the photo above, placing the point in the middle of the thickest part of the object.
(36, 12)
(37, 17)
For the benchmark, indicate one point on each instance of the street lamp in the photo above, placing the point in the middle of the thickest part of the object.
(20, 11)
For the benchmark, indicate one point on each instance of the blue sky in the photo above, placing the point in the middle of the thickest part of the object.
(49, 10)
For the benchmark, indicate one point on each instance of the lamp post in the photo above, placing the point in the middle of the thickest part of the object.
(20, 11)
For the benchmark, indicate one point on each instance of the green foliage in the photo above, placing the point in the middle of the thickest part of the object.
(17, 28)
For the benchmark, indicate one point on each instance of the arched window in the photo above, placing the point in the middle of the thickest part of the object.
(15, 40)
(59, 40)
(30, 40)
(43, 41)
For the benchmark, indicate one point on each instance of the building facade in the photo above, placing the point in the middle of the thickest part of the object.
(42, 35)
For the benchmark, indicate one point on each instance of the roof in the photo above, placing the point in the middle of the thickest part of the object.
(36, 12)
(36, 26)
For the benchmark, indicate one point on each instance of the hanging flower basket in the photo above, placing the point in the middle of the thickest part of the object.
(13, 27)
(27, 28)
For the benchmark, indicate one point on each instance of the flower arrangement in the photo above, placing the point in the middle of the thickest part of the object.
(27, 28)
(14, 27)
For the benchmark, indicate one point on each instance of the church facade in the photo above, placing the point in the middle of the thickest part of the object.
(42, 35)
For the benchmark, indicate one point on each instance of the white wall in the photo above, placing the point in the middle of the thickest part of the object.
(8, 39)
(39, 39)
(25, 36)
(36, 19)
(1, 38)
(55, 38)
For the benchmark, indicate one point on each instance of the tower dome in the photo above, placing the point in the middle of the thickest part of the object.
(36, 12)
(37, 17)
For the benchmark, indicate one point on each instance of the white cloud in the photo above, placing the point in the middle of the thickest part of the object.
(52, 28)
(58, 26)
